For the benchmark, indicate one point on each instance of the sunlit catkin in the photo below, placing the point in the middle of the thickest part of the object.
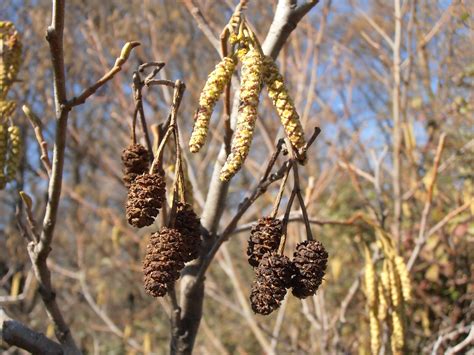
(402, 271)
(14, 151)
(395, 289)
(249, 96)
(11, 56)
(383, 303)
(213, 89)
(3, 154)
(370, 280)
(374, 327)
(283, 103)
(397, 339)
(385, 280)
(6, 108)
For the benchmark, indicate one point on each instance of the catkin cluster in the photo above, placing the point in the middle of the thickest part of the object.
(388, 293)
(257, 70)
(275, 273)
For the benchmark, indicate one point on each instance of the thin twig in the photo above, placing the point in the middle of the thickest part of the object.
(43, 145)
(421, 240)
(75, 101)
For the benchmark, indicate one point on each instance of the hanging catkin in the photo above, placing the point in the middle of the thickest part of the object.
(14, 152)
(283, 103)
(3, 154)
(383, 303)
(398, 339)
(213, 89)
(6, 108)
(402, 271)
(249, 97)
(370, 280)
(372, 302)
(11, 56)
(395, 288)
(374, 328)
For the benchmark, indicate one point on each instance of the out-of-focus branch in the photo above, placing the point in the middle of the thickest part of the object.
(397, 122)
(125, 53)
(421, 240)
(202, 23)
(14, 333)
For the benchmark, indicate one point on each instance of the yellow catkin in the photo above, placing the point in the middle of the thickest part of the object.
(210, 94)
(383, 303)
(370, 280)
(249, 96)
(3, 154)
(397, 339)
(11, 56)
(6, 108)
(14, 152)
(395, 288)
(374, 327)
(402, 271)
(283, 103)
(385, 280)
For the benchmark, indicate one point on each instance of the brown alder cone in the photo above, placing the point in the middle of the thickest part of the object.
(145, 197)
(310, 259)
(163, 263)
(189, 225)
(264, 237)
(272, 277)
(135, 160)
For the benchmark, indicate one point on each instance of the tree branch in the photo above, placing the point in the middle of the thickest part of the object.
(17, 334)
(284, 22)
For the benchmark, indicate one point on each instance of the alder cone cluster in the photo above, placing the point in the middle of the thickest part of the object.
(135, 160)
(272, 277)
(189, 225)
(145, 197)
(264, 238)
(163, 261)
(310, 260)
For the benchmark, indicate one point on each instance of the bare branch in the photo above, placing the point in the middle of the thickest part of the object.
(75, 101)
(17, 334)
(421, 240)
